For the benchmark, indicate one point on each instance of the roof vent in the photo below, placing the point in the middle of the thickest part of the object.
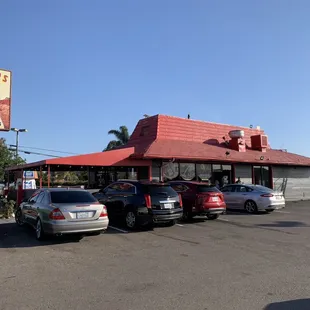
(259, 142)
(237, 142)
(236, 134)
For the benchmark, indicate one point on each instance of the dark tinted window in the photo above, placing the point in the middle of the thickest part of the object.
(160, 190)
(127, 188)
(179, 187)
(206, 189)
(72, 197)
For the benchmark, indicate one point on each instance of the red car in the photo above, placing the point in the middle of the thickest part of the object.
(200, 199)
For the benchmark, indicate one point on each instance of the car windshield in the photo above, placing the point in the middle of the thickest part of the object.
(261, 188)
(72, 197)
(160, 190)
(207, 188)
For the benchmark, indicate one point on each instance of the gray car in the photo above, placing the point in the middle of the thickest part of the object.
(58, 211)
(252, 198)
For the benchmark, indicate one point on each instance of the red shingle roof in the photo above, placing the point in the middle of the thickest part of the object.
(168, 149)
(173, 137)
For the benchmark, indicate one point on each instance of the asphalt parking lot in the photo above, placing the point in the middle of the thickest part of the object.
(239, 261)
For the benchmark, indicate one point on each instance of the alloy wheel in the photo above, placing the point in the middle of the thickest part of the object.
(250, 206)
(130, 219)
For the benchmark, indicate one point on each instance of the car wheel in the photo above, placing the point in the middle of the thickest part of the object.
(171, 223)
(131, 220)
(212, 216)
(19, 217)
(250, 206)
(39, 231)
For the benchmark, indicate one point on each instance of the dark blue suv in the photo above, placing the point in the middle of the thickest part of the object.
(141, 203)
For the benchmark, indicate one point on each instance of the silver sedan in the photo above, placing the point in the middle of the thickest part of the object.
(58, 211)
(252, 198)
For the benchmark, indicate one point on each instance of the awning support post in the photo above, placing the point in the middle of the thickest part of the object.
(48, 175)
(40, 176)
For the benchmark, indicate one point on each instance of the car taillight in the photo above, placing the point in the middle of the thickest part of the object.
(104, 212)
(266, 195)
(148, 201)
(56, 214)
(180, 201)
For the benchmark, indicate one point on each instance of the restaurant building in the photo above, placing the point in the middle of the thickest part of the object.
(171, 148)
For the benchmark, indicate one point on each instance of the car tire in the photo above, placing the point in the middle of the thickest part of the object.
(19, 217)
(131, 220)
(39, 231)
(212, 216)
(250, 206)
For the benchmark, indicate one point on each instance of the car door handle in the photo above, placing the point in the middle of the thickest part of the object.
(109, 197)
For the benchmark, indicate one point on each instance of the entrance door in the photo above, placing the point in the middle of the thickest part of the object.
(262, 175)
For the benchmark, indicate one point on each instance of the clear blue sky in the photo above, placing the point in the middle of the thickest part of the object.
(81, 68)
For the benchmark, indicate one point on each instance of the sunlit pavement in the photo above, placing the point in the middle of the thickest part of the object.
(239, 261)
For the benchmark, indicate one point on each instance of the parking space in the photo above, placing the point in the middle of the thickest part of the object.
(239, 261)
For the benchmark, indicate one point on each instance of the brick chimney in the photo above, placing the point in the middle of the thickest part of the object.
(237, 142)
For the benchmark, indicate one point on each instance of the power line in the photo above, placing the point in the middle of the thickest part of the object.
(35, 153)
(40, 149)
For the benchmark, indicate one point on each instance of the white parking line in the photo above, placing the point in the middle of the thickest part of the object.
(118, 229)
(179, 225)
(221, 219)
(278, 211)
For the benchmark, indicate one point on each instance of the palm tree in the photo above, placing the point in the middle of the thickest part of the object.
(122, 138)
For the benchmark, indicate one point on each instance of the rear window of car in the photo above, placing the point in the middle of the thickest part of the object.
(159, 190)
(72, 197)
(206, 189)
(261, 188)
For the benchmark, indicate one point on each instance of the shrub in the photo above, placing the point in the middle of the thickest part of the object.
(6, 208)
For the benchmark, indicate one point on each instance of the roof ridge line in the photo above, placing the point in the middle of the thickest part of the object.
(201, 121)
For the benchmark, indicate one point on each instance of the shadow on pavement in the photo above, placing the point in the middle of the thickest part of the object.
(12, 236)
(284, 224)
(298, 304)
(194, 220)
(243, 212)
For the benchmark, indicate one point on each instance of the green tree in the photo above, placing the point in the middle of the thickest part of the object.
(7, 159)
(122, 137)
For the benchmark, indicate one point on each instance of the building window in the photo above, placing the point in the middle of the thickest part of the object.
(244, 173)
(221, 174)
(261, 175)
(204, 171)
(187, 171)
(170, 171)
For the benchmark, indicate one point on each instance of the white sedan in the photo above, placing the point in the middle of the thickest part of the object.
(252, 198)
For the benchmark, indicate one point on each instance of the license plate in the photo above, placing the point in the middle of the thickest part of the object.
(83, 215)
(214, 199)
(168, 205)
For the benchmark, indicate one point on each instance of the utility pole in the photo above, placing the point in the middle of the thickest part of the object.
(17, 139)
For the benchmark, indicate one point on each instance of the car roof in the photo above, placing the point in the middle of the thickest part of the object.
(62, 189)
(192, 182)
(144, 182)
